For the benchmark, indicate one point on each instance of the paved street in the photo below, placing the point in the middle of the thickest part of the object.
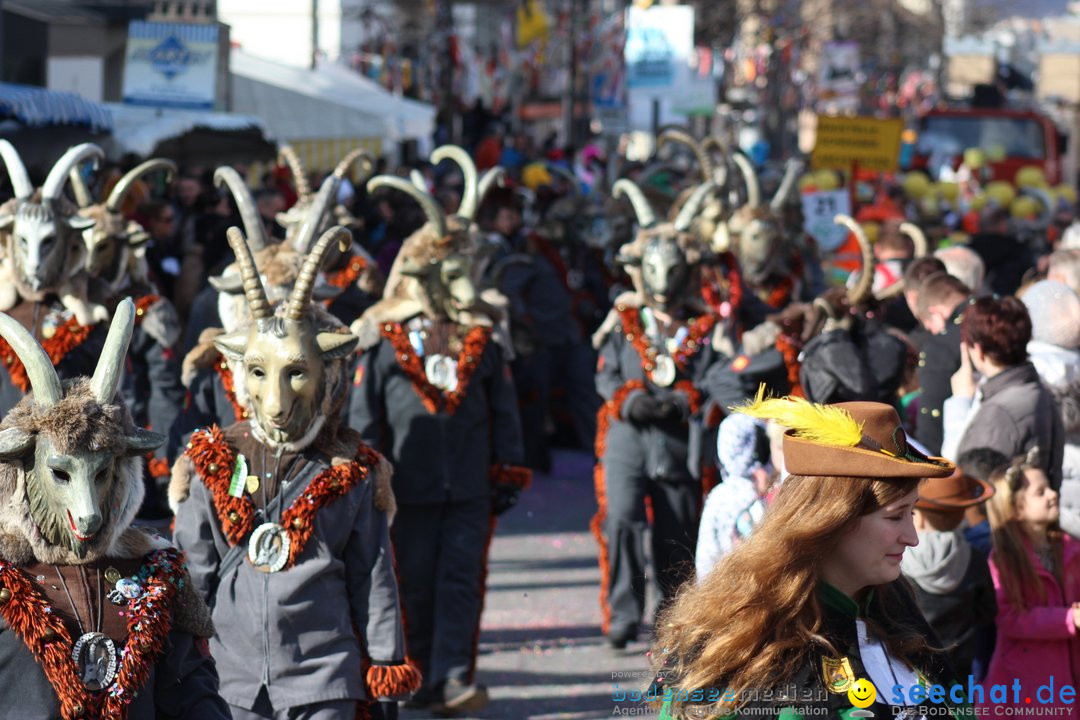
(541, 652)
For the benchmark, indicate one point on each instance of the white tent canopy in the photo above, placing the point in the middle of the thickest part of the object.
(328, 103)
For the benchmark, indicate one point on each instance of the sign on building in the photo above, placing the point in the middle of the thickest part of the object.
(171, 64)
(870, 143)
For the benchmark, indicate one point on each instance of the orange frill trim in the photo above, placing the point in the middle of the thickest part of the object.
(468, 360)
(142, 305)
(781, 293)
(347, 276)
(44, 634)
(227, 383)
(696, 337)
(159, 467)
(786, 346)
(391, 681)
(67, 337)
(515, 475)
(214, 460)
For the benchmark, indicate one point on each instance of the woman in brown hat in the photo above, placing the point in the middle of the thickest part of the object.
(950, 579)
(810, 610)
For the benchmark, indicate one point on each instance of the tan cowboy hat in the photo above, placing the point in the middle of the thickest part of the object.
(955, 492)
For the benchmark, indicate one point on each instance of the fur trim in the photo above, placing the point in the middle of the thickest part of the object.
(343, 452)
(201, 357)
(1067, 398)
(180, 482)
(760, 338)
(191, 614)
(626, 299)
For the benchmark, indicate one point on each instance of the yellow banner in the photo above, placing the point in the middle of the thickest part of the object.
(871, 143)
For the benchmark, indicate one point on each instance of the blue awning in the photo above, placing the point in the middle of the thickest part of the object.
(39, 107)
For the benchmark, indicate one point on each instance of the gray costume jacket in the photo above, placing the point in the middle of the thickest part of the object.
(438, 457)
(670, 452)
(305, 631)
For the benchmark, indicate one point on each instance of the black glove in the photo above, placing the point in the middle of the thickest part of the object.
(504, 497)
(384, 710)
(646, 409)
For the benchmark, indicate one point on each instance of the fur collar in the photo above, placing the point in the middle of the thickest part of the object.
(201, 357)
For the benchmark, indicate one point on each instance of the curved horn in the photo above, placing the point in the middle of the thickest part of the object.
(20, 180)
(918, 238)
(305, 279)
(296, 166)
(791, 172)
(417, 178)
(861, 289)
(644, 212)
(110, 363)
(692, 207)
(58, 175)
(39, 368)
(570, 177)
(249, 213)
(494, 176)
(753, 189)
(431, 209)
(346, 162)
(467, 207)
(253, 287)
(684, 138)
(82, 193)
(314, 216)
(120, 191)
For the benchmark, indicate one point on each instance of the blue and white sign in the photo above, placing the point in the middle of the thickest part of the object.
(171, 64)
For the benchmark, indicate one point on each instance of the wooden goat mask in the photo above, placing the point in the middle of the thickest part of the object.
(284, 355)
(43, 233)
(660, 259)
(74, 448)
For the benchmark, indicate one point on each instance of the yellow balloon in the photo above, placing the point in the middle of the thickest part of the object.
(807, 181)
(978, 202)
(948, 191)
(1001, 193)
(974, 158)
(1030, 176)
(1066, 193)
(1024, 208)
(915, 185)
(995, 153)
(930, 206)
(872, 230)
(826, 180)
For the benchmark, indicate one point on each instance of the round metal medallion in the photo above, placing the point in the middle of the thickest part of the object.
(95, 660)
(268, 548)
(441, 371)
(664, 372)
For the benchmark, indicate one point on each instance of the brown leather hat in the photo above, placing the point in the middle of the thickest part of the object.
(882, 452)
(954, 492)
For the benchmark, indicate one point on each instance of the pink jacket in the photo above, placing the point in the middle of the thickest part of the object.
(1039, 642)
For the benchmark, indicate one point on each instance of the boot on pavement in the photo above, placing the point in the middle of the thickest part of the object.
(459, 697)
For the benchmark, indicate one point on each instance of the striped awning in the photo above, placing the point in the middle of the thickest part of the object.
(322, 155)
(39, 107)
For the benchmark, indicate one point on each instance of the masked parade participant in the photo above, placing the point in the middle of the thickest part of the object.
(433, 391)
(97, 619)
(285, 519)
(655, 349)
(815, 619)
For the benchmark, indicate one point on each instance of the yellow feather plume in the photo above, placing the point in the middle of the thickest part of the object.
(823, 424)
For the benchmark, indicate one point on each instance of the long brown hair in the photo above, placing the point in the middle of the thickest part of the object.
(755, 619)
(1010, 539)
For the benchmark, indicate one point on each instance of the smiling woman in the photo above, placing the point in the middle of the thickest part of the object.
(812, 603)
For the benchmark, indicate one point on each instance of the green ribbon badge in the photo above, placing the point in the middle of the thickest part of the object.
(239, 477)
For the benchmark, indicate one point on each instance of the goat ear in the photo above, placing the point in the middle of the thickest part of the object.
(326, 291)
(410, 268)
(232, 345)
(142, 441)
(137, 235)
(6, 221)
(336, 345)
(77, 222)
(231, 284)
(14, 442)
(628, 260)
